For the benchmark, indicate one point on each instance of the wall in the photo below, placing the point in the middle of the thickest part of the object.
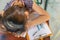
(2, 4)
(54, 11)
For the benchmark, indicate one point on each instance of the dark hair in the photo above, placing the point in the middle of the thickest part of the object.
(15, 16)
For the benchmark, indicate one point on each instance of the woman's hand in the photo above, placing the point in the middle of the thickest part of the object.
(28, 25)
(19, 3)
(28, 21)
(19, 35)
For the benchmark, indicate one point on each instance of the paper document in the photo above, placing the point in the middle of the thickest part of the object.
(39, 31)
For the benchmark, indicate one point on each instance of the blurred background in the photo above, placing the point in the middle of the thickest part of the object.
(53, 8)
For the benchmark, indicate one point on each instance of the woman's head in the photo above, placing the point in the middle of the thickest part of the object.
(14, 19)
(15, 12)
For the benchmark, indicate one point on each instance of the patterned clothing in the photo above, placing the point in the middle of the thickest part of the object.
(28, 4)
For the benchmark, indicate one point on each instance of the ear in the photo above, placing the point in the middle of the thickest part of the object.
(27, 14)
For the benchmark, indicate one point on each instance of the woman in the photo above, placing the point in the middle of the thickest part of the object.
(31, 5)
(14, 21)
(44, 16)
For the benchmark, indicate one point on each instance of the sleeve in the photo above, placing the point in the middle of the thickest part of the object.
(28, 4)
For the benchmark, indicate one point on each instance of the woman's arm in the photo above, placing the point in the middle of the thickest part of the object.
(44, 16)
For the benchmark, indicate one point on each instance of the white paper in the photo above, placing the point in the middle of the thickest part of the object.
(35, 32)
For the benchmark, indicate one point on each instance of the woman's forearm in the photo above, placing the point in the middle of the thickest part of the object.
(38, 20)
(44, 16)
(38, 9)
